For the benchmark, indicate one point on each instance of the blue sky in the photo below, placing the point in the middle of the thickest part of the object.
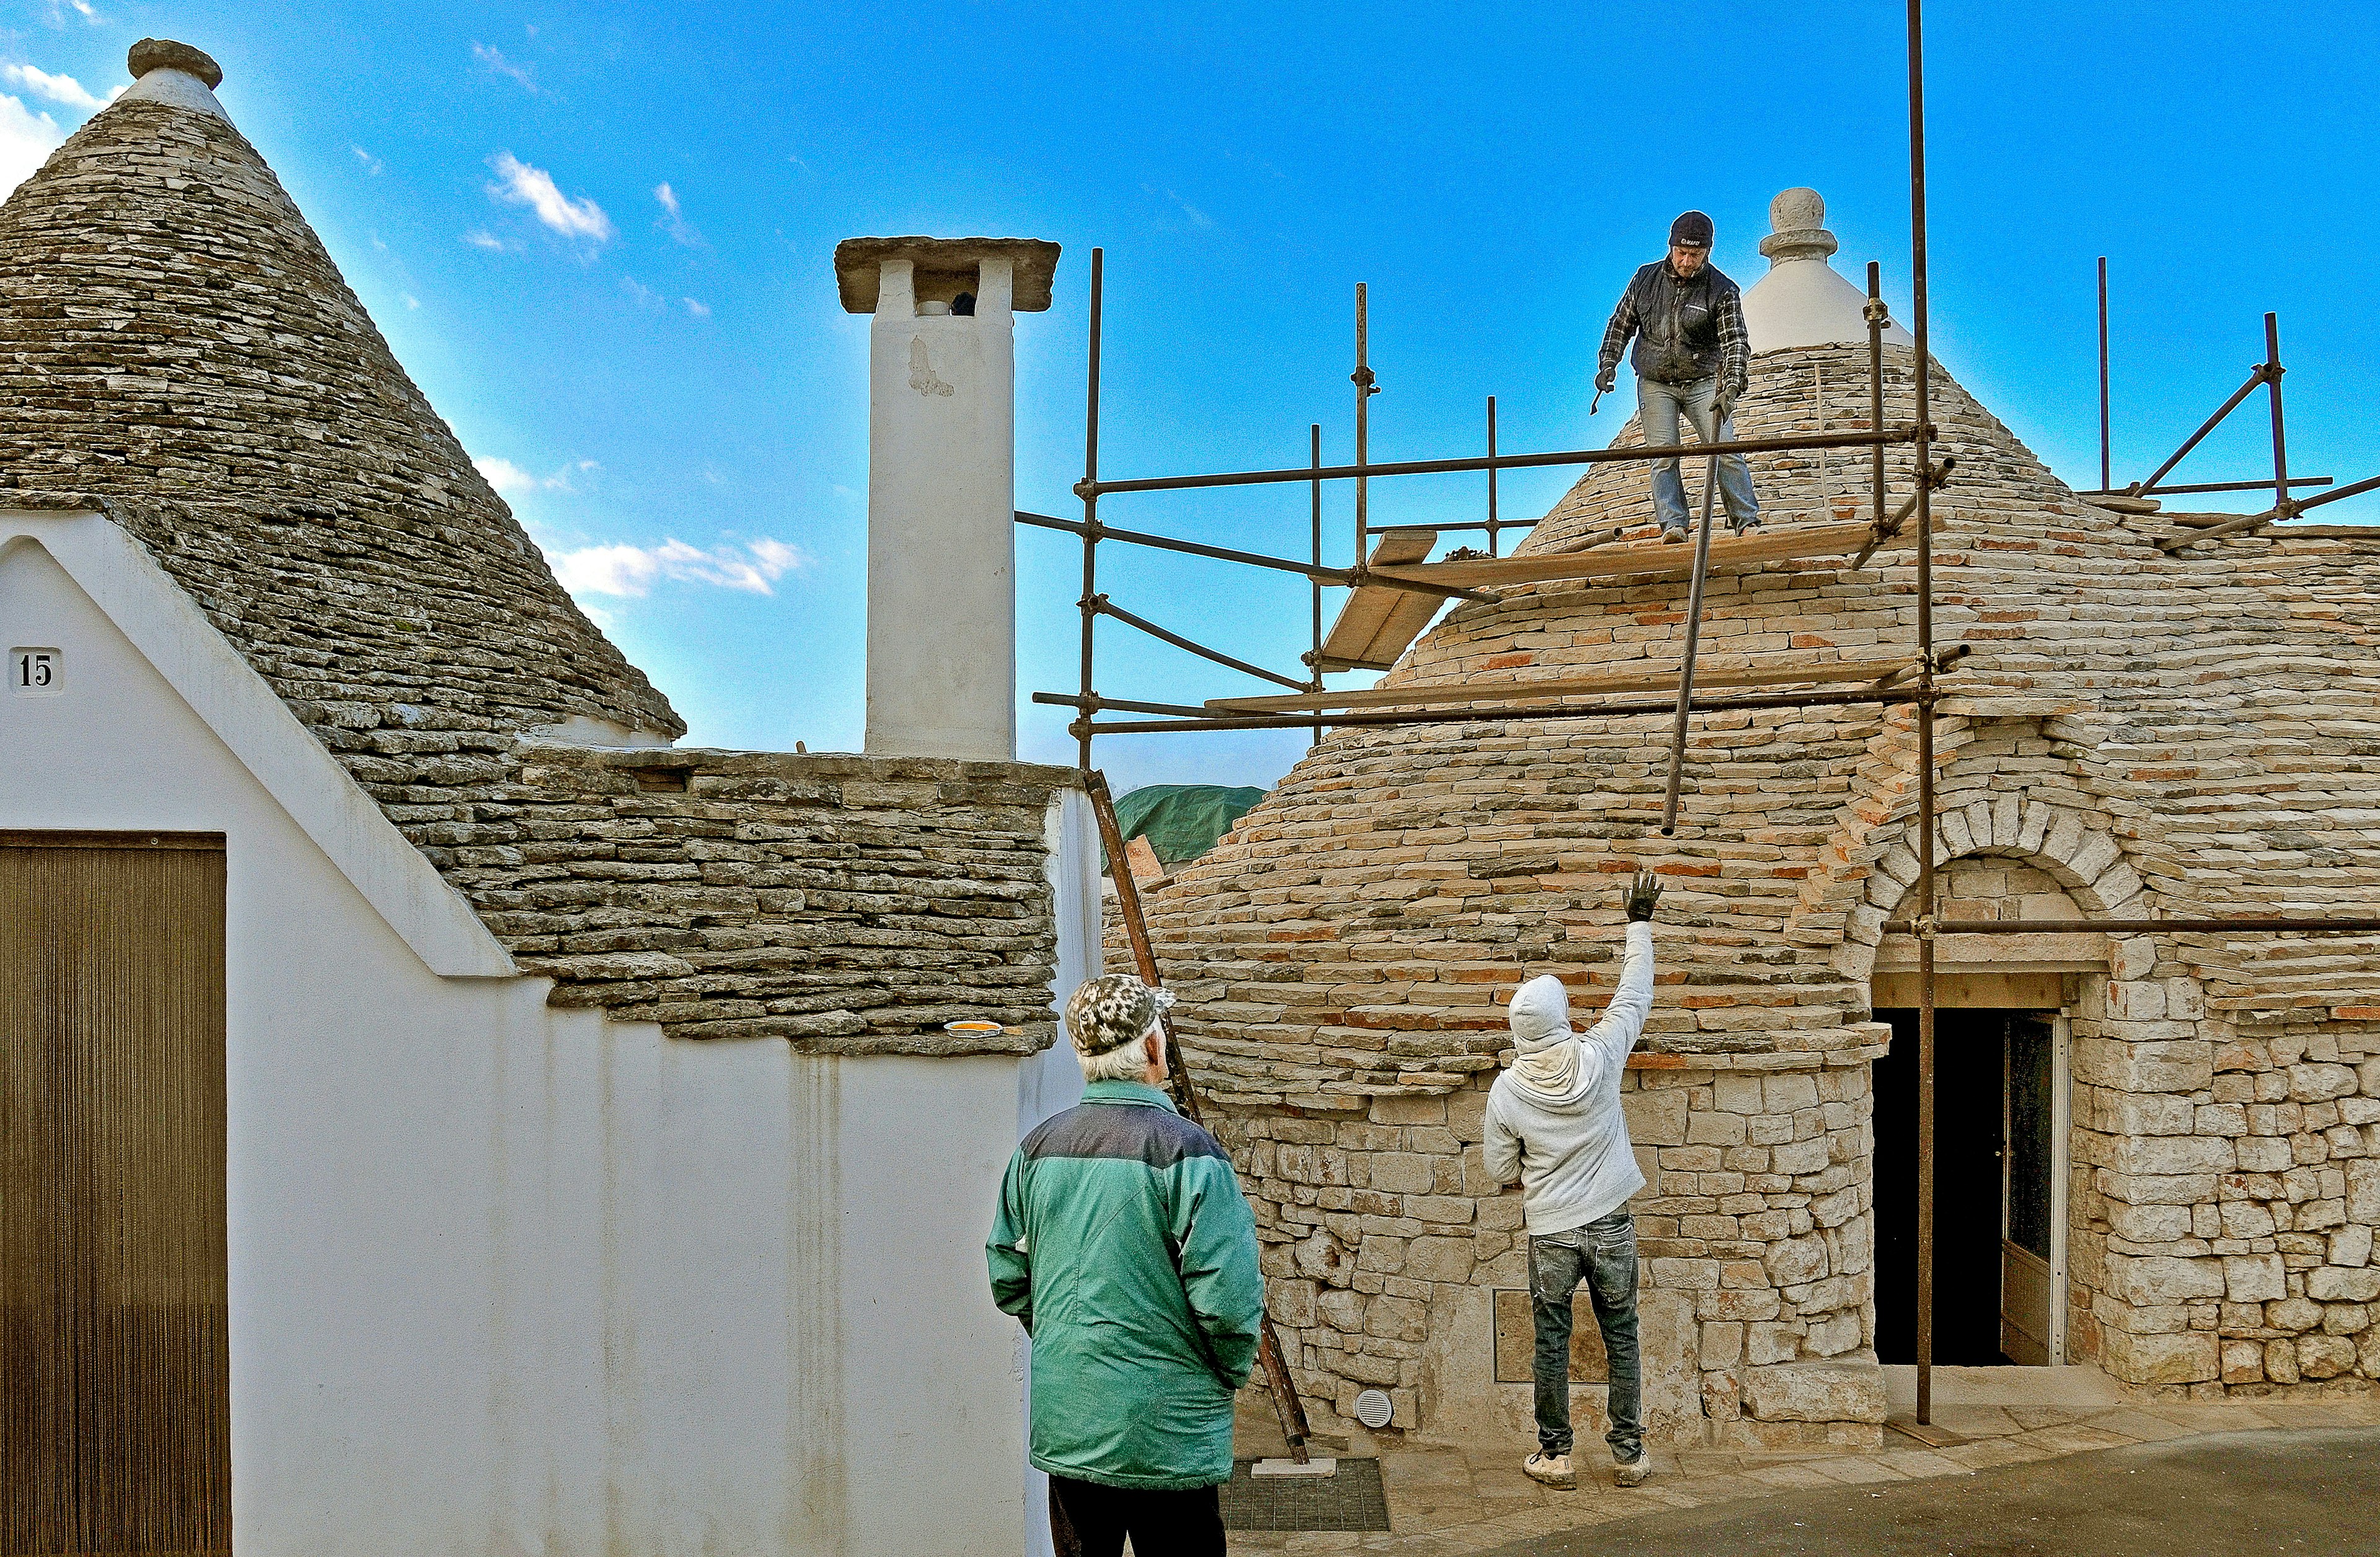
(601, 239)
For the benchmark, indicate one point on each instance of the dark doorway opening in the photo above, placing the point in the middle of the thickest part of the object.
(1971, 1184)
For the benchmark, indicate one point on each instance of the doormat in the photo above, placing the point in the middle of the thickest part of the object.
(1353, 1500)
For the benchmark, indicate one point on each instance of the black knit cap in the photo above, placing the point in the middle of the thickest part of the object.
(1691, 231)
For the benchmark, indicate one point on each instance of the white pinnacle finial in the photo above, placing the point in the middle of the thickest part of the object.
(1798, 218)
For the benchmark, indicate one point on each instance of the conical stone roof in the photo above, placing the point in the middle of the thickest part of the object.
(2197, 730)
(178, 348)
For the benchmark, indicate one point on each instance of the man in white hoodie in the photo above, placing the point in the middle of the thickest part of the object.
(1554, 1122)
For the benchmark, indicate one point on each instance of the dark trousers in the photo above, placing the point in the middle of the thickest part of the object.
(1603, 1255)
(1161, 1524)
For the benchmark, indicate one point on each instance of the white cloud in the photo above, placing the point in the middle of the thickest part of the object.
(480, 238)
(371, 164)
(495, 61)
(27, 139)
(641, 295)
(57, 13)
(412, 302)
(696, 307)
(751, 568)
(65, 91)
(674, 220)
(512, 481)
(519, 184)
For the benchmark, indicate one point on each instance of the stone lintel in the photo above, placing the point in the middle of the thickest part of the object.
(858, 260)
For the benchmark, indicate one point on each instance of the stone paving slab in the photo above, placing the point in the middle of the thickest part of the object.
(1458, 1500)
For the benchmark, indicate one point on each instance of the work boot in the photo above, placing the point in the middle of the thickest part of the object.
(1631, 1473)
(1554, 1470)
(1674, 533)
(1747, 527)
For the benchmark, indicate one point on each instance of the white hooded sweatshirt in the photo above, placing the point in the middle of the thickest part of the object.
(1553, 1119)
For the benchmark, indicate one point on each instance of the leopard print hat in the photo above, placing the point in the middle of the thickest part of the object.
(1111, 1011)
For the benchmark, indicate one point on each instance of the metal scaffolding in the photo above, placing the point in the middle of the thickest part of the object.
(1915, 681)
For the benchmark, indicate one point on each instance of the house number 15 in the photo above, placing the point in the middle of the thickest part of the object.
(35, 672)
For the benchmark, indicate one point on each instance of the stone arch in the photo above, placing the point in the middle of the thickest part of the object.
(2063, 840)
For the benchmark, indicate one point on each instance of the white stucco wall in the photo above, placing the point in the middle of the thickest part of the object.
(511, 1279)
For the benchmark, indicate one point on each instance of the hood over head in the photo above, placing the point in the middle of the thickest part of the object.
(1540, 1015)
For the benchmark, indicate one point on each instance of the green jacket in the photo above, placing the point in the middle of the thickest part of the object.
(1123, 1243)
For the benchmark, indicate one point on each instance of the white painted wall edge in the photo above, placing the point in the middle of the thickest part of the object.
(249, 718)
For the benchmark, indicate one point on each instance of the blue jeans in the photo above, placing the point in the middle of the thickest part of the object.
(1657, 406)
(1603, 1255)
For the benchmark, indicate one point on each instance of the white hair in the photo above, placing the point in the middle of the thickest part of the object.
(1125, 1062)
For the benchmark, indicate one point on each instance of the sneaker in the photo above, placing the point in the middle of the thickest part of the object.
(1554, 1470)
(1674, 533)
(1631, 1473)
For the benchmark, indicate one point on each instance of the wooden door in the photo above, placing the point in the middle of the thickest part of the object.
(2028, 1175)
(114, 1433)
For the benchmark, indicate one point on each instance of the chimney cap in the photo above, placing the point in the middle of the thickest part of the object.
(858, 260)
(1797, 221)
(163, 54)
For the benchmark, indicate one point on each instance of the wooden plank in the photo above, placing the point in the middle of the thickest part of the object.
(1728, 553)
(1376, 623)
(1502, 690)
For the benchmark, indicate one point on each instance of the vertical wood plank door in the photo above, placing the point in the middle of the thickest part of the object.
(114, 1402)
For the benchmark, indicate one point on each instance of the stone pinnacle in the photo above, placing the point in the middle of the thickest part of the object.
(163, 54)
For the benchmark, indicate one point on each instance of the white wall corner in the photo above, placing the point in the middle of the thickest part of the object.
(169, 631)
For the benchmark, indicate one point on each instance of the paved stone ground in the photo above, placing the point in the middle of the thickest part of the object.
(1446, 1501)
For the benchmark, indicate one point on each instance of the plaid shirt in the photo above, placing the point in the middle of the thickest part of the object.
(1684, 330)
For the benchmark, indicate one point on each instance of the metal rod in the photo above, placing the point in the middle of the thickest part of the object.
(1360, 471)
(1925, 798)
(2257, 521)
(1285, 1403)
(1363, 379)
(2272, 372)
(1930, 481)
(2203, 486)
(1315, 660)
(1090, 492)
(2139, 927)
(2105, 479)
(1167, 543)
(1876, 320)
(1093, 704)
(1497, 713)
(1492, 476)
(1693, 639)
(2255, 377)
(1107, 607)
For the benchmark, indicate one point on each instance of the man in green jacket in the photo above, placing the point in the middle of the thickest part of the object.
(1124, 1244)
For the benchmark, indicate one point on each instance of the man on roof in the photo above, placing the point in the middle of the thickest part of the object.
(1692, 355)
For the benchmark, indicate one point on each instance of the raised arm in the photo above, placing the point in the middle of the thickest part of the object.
(1608, 1042)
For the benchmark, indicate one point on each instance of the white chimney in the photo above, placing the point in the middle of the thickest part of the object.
(942, 484)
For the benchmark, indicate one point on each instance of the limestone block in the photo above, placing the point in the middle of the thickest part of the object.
(2174, 1154)
(1382, 1252)
(2150, 1224)
(2243, 1362)
(2163, 1279)
(1291, 1303)
(1732, 1093)
(2293, 1314)
(1656, 1118)
(1773, 1342)
(2332, 1284)
(1710, 1128)
(2263, 1154)
(2314, 1083)
(2189, 1357)
(2351, 1247)
(1397, 1318)
(2140, 1002)
(1409, 1111)
(1401, 1172)
(1800, 1157)
(2367, 1352)
(1685, 1275)
(1790, 1091)
(1324, 1259)
(2156, 1189)
(1846, 1390)
(2250, 1219)
(2325, 1356)
(2149, 1114)
(2281, 1361)
(1466, 1115)
(1439, 1259)
(1835, 1335)
(2156, 1065)
(2345, 1318)
(1722, 1345)
(1722, 1395)
(1342, 1312)
(1795, 1260)
(2255, 1278)
(2363, 1191)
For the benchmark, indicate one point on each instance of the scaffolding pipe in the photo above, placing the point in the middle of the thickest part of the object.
(1363, 393)
(1343, 576)
(1492, 476)
(2105, 479)
(1693, 638)
(1876, 323)
(2255, 377)
(1090, 492)
(2139, 927)
(2272, 372)
(1360, 472)
(1313, 660)
(1925, 796)
(1106, 607)
(1879, 695)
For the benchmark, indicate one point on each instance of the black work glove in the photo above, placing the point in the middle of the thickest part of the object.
(1643, 894)
(1605, 380)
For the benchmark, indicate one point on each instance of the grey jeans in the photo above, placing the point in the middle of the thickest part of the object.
(1657, 408)
(1602, 1255)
